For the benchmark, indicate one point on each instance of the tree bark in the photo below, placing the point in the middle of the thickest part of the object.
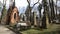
(45, 15)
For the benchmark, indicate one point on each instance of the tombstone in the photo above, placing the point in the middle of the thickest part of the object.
(14, 17)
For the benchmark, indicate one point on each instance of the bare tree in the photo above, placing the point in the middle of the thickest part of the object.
(52, 10)
(39, 8)
(45, 22)
(29, 9)
(4, 12)
(56, 7)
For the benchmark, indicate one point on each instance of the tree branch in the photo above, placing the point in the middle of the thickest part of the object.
(36, 3)
(28, 1)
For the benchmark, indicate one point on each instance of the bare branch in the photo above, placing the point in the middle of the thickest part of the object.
(36, 3)
(28, 1)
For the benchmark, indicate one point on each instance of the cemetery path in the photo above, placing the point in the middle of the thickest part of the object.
(4, 30)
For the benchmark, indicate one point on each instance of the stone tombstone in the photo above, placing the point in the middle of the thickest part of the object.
(14, 18)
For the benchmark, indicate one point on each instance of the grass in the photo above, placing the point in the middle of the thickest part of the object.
(33, 31)
(53, 29)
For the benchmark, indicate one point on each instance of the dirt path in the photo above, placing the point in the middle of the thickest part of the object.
(4, 30)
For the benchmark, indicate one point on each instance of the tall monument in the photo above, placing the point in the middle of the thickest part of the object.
(12, 14)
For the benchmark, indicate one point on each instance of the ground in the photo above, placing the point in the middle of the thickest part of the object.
(53, 29)
(4, 30)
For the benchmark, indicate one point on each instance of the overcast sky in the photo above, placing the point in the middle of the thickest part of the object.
(22, 4)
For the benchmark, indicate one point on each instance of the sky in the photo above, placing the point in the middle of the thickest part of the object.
(19, 3)
(22, 4)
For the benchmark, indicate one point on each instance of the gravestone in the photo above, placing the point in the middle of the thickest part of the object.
(14, 17)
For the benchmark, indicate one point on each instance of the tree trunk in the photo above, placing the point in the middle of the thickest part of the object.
(56, 8)
(52, 10)
(45, 14)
